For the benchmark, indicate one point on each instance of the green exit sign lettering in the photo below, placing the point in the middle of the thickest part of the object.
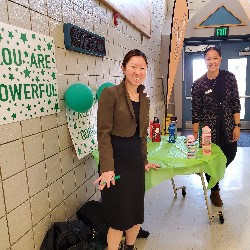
(221, 31)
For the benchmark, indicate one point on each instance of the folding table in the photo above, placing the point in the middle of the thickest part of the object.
(172, 157)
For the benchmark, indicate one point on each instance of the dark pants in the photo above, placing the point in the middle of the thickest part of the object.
(229, 151)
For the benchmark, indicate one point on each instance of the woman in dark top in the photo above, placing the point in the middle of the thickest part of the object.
(122, 123)
(216, 103)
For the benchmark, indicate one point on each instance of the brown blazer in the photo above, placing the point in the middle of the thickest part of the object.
(115, 116)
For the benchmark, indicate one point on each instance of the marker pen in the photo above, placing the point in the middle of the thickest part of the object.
(113, 179)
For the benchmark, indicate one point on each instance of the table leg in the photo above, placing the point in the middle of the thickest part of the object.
(220, 214)
(205, 194)
(183, 189)
(175, 191)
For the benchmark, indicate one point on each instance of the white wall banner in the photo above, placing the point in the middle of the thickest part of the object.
(83, 131)
(28, 86)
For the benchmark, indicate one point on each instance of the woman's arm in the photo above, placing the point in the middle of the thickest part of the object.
(147, 165)
(236, 118)
(196, 108)
(144, 143)
(235, 98)
(235, 105)
(236, 131)
(104, 127)
(195, 130)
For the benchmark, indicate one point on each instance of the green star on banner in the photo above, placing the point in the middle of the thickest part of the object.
(13, 116)
(28, 86)
(23, 38)
(79, 151)
(11, 77)
(10, 35)
(27, 72)
(56, 107)
(53, 75)
(49, 45)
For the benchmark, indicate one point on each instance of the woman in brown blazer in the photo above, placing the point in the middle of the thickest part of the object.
(122, 123)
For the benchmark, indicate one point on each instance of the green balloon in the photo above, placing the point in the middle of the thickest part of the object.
(102, 87)
(79, 97)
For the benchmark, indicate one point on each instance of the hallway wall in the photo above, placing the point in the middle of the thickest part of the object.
(41, 179)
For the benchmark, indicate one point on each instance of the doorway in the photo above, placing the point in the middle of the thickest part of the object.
(194, 67)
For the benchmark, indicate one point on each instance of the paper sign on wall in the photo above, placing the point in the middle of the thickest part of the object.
(82, 128)
(28, 86)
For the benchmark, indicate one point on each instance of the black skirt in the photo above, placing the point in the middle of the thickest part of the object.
(124, 202)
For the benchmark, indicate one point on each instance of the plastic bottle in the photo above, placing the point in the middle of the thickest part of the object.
(167, 122)
(171, 131)
(156, 130)
(173, 120)
(206, 140)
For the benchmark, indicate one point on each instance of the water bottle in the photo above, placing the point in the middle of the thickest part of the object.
(156, 130)
(171, 131)
(173, 120)
(206, 140)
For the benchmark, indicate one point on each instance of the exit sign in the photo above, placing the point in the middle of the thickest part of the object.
(221, 31)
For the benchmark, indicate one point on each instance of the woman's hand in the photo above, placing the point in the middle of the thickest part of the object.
(151, 165)
(105, 179)
(195, 134)
(236, 134)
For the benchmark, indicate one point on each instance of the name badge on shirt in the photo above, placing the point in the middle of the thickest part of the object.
(208, 91)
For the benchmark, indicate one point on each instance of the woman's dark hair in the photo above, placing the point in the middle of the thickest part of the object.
(212, 48)
(131, 53)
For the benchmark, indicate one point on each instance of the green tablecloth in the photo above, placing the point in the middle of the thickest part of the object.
(172, 157)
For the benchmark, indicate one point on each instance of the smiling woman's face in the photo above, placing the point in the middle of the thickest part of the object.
(212, 60)
(135, 70)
